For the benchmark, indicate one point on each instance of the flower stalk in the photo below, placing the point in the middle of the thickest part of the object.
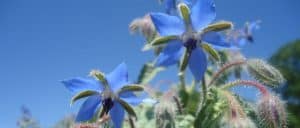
(259, 86)
(225, 68)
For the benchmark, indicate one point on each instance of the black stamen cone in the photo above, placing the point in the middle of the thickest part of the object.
(250, 38)
(107, 104)
(190, 44)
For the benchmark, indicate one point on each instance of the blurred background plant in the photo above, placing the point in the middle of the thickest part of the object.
(287, 60)
(26, 120)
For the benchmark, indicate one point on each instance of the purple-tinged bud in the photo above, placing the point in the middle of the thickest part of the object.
(271, 112)
(237, 123)
(86, 125)
(166, 110)
(235, 117)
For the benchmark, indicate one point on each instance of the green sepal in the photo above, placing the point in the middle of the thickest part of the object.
(184, 61)
(131, 88)
(210, 114)
(101, 77)
(185, 13)
(219, 26)
(193, 101)
(163, 40)
(83, 94)
(127, 107)
(211, 51)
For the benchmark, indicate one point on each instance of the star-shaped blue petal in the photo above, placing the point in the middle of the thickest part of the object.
(117, 79)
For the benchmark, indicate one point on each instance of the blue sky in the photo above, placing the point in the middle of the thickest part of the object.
(45, 41)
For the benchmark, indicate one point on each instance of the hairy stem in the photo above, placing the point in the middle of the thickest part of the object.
(204, 89)
(131, 123)
(255, 84)
(178, 104)
(181, 76)
(224, 68)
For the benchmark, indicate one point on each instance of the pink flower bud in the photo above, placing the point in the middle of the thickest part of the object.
(271, 111)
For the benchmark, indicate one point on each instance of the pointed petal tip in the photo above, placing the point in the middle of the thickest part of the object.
(118, 77)
(167, 25)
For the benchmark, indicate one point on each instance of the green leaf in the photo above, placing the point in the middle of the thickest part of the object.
(127, 107)
(211, 51)
(83, 94)
(147, 73)
(185, 13)
(219, 26)
(163, 40)
(184, 61)
(131, 88)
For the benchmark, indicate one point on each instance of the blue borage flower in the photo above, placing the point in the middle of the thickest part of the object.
(111, 92)
(244, 35)
(249, 28)
(188, 32)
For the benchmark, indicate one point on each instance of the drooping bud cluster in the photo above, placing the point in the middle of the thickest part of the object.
(143, 25)
(235, 117)
(165, 111)
(271, 111)
(264, 72)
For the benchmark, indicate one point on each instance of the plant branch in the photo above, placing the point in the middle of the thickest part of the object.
(224, 68)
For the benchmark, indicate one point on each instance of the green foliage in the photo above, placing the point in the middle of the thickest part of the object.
(211, 111)
(287, 60)
(192, 100)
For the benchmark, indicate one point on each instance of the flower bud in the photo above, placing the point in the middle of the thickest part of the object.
(145, 26)
(235, 117)
(165, 111)
(264, 72)
(271, 112)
